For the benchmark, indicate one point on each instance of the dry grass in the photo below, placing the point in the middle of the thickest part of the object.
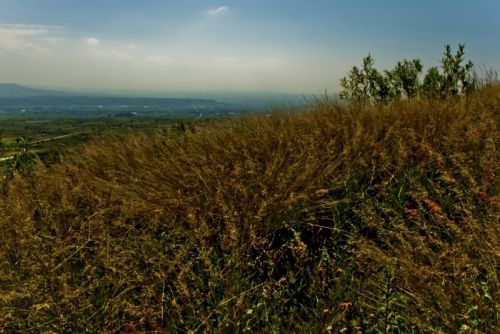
(335, 219)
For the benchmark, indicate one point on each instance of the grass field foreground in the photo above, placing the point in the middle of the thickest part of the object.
(339, 218)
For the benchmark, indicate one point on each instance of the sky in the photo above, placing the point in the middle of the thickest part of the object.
(294, 46)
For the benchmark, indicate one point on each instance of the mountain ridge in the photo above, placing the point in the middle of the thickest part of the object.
(13, 90)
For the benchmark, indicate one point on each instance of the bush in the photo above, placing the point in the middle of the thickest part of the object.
(404, 81)
(22, 161)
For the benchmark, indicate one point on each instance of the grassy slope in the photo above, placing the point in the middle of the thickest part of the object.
(336, 219)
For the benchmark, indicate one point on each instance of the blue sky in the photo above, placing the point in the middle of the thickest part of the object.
(253, 45)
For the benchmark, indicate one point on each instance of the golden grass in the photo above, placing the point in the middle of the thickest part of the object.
(333, 219)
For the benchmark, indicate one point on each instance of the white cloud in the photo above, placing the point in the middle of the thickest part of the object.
(21, 38)
(91, 41)
(217, 11)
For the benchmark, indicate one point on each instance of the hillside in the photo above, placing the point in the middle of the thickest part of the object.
(9, 90)
(336, 219)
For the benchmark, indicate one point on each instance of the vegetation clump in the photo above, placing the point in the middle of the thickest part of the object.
(404, 81)
(21, 161)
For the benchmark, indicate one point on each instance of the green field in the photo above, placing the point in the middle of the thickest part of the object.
(51, 135)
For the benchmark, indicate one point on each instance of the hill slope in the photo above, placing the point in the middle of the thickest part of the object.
(337, 219)
(8, 90)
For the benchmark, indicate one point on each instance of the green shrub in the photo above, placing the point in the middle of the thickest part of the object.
(404, 81)
(22, 161)
(455, 78)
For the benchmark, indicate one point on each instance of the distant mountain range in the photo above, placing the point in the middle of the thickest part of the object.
(15, 99)
(8, 90)
(20, 99)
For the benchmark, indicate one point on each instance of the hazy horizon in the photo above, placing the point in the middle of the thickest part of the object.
(299, 47)
(219, 95)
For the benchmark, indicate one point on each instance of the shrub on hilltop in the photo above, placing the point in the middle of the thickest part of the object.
(404, 81)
